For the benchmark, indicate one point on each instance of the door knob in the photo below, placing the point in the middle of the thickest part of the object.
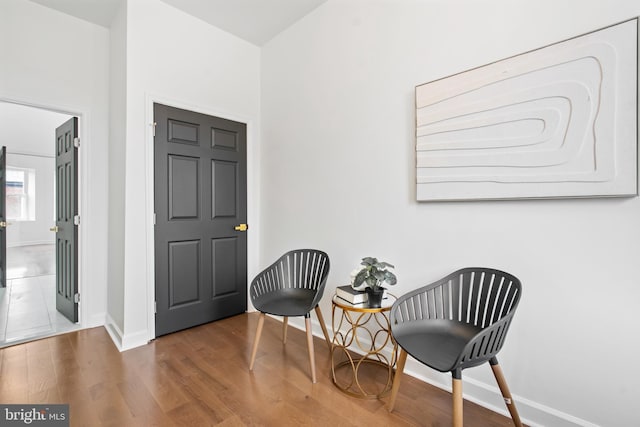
(241, 227)
(3, 224)
(54, 229)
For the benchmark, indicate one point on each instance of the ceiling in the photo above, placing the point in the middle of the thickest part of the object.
(256, 21)
(99, 12)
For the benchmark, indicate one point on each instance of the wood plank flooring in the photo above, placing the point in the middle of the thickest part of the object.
(200, 377)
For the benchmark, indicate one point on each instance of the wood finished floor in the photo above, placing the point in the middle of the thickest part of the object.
(200, 377)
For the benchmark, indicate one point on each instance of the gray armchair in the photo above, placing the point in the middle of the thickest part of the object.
(291, 286)
(458, 322)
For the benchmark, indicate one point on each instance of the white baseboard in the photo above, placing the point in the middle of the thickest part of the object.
(37, 242)
(532, 413)
(114, 332)
(125, 342)
(134, 340)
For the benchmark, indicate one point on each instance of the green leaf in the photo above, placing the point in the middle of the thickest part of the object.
(383, 265)
(390, 278)
(379, 275)
(360, 277)
(368, 261)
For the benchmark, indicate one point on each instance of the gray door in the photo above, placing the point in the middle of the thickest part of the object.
(66, 228)
(201, 212)
(3, 217)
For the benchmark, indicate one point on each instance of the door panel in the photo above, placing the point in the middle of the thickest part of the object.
(66, 228)
(225, 257)
(184, 191)
(3, 217)
(184, 269)
(200, 196)
(224, 177)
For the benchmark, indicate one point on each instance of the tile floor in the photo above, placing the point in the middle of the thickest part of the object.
(28, 303)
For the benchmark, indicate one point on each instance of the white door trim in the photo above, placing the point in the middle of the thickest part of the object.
(252, 191)
(84, 126)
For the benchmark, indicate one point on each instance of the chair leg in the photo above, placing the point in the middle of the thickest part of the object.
(312, 358)
(285, 322)
(506, 394)
(256, 340)
(402, 359)
(457, 402)
(324, 327)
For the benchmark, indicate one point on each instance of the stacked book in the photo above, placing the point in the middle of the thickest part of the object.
(350, 295)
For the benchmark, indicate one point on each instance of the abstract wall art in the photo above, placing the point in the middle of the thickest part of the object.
(559, 121)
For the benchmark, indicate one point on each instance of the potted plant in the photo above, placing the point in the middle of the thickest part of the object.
(372, 276)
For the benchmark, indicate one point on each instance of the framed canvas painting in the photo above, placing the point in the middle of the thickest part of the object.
(559, 121)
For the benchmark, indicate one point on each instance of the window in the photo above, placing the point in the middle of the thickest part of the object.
(21, 194)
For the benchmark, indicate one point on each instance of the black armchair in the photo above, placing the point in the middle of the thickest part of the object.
(458, 322)
(292, 286)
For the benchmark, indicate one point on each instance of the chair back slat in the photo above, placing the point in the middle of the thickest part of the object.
(280, 274)
(306, 269)
(490, 299)
(455, 289)
(467, 305)
(513, 292)
(300, 268)
(477, 296)
(484, 281)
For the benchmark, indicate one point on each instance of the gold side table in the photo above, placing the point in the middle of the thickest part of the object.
(361, 334)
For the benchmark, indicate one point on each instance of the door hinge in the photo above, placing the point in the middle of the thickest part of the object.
(76, 298)
(154, 128)
(154, 218)
(76, 220)
(155, 307)
(76, 142)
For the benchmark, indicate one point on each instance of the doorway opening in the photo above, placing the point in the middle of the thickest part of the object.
(28, 301)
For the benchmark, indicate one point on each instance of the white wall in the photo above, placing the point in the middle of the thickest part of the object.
(178, 60)
(29, 130)
(29, 135)
(52, 60)
(338, 171)
(117, 178)
(338, 132)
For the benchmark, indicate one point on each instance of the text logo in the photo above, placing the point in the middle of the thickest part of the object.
(34, 415)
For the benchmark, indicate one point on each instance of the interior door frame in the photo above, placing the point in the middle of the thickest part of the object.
(83, 125)
(252, 195)
(3, 216)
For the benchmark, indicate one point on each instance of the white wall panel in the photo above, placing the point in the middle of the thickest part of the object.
(339, 174)
(34, 42)
(178, 60)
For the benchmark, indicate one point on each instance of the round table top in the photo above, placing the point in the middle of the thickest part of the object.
(387, 302)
